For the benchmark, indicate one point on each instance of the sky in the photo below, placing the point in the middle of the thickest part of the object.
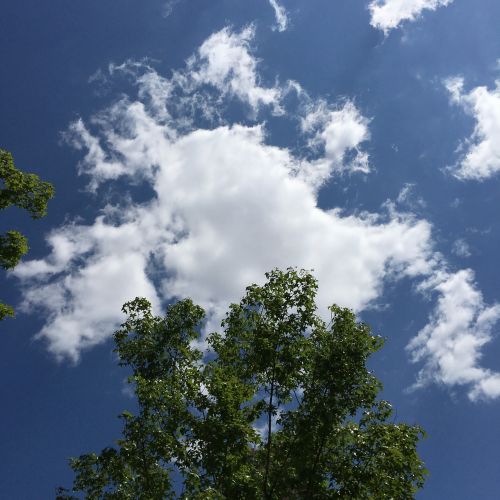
(195, 145)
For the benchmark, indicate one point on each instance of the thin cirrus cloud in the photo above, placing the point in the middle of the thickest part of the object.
(389, 14)
(168, 7)
(480, 158)
(461, 248)
(280, 14)
(228, 206)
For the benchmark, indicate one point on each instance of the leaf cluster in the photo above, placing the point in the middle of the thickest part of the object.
(282, 406)
(26, 191)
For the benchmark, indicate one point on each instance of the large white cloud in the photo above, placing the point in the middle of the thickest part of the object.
(389, 14)
(227, 207)
(481, 158)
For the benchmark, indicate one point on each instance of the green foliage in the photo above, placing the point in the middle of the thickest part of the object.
(282, 407)
(25, 191)
(13, 246)
(21, 189)
(5, 311)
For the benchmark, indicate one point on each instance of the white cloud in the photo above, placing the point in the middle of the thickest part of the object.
(223, 67)
(90, 272)
(225, 61)
(168, 7)
(339, 133)
(450, 345)
(280, 14)
(407, 198)
(228, 206)
(461, 248)
(482, 150)
(389, 14)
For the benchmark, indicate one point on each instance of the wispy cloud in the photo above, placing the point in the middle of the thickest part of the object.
(481, 156)
(281, 15)
(461, 248)
(168, 7)
(407, 198)
(389, 14)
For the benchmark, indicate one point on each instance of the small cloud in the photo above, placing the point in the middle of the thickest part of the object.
(98, 77)
(389, 14)
(481, 232)
(340, 132)
(101, 82)
(450, 344)
(461, 248)
(168, 7)
(455, 87)
(281, 15)
(225, 60)
(408, 199)
(480, 153)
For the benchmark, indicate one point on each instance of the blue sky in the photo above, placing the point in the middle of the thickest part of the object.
(195, 145)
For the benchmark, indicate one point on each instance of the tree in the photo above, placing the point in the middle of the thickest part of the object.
(283, 406)
(25, 191)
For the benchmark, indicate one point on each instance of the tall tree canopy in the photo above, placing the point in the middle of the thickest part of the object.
(25, 191)
(281, 406)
